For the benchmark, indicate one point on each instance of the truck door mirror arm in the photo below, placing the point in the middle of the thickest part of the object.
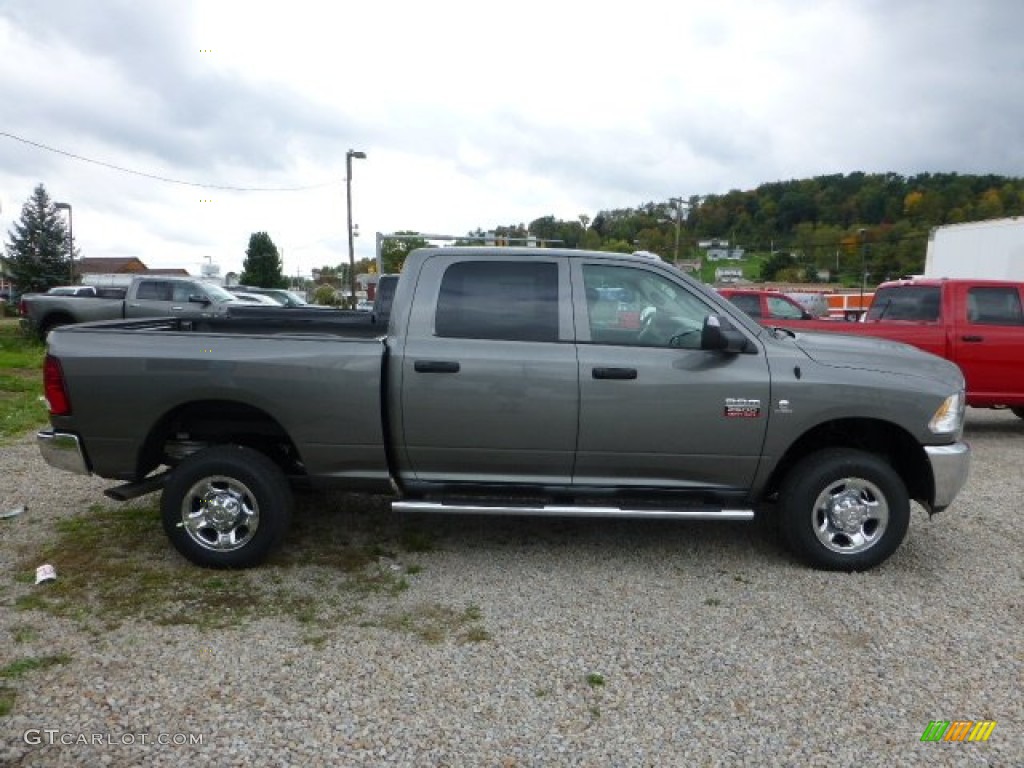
(719, 335)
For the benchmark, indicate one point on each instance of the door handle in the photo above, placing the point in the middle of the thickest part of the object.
(972, 339)
(435, 366)
(615, 373)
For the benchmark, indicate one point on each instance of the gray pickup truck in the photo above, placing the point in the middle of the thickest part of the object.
(513, 381)
(147, 296)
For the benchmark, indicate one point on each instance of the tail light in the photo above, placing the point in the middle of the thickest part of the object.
(53, 387)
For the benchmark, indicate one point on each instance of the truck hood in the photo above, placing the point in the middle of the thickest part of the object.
(871, 354)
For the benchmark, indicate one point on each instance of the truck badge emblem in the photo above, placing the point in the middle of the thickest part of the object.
(741, 408)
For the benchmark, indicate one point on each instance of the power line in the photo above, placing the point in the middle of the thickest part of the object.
(166, 179)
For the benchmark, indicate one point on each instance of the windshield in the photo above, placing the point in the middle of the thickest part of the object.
(216, 293)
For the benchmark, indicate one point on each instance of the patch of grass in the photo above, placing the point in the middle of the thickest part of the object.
(116, 563)
(21, 667)
(21, 383)
(18, 669)
(7, 697)
(595, 679)
(23, 633)
(413, 540)
(712, 601)
(434, 623)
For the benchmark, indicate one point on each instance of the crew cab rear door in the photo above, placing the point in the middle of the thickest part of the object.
(166, 298)
(989, 340)
(655, 410)
(488, 372)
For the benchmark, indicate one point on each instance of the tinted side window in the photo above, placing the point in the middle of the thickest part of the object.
(783, 308)
(512, 301)
(748, 303)
(994, 306)
(154, 290)
(912, 302)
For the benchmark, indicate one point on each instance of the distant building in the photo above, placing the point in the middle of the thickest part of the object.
(728, 274)
(114, 272)
(724, 253)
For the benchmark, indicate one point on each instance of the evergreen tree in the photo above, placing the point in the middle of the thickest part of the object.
(262, 267)
(37, 249)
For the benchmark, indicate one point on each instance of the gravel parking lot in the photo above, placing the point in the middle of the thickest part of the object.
(372, 639)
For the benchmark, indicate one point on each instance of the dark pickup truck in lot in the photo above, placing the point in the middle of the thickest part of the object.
(513, 381)
(977, 324)
(147, 296)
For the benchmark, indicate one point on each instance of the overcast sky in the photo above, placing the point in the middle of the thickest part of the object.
(476, 114)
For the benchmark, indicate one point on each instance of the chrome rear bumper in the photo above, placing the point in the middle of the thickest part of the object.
(63, 451)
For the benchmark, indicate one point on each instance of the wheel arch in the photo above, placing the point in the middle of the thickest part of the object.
(191, 426)
(53, 319)
(882, 438)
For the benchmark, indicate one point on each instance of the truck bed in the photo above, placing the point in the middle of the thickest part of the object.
(271, 322)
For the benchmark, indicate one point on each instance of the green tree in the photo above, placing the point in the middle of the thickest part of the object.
(262, 267)
(393, 252)
(37, 251)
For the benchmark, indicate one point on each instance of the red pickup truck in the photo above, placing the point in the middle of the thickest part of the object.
(977, 324)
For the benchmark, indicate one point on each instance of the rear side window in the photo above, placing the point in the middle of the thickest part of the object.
(502, 300)
(994, 306)
(154, 290)
(749, 303)
(910, 302)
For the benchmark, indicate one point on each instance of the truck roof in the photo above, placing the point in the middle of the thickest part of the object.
(950, 280)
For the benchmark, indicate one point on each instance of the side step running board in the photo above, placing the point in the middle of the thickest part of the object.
(559, 510)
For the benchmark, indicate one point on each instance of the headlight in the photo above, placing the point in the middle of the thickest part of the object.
(949, 418)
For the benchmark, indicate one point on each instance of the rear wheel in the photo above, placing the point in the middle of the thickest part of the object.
(843, 510)
(1018, 412)
(226, 507)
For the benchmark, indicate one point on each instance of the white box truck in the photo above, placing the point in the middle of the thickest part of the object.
(982, 250)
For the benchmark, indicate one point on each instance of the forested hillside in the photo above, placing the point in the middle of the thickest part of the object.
(800, 228)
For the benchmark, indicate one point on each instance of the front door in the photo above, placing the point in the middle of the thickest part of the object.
(655, 410)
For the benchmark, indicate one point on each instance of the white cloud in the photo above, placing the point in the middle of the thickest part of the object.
(477, 114)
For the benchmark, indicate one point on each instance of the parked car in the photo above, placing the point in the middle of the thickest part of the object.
(364, 305)
(765, 305)
(500, 385)
(815, 303)
(147, 296)
(72, 290)
(256, 298)
(977, 324)
(283, 297)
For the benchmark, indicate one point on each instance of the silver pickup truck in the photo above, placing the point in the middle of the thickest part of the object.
(513, 381)
(147, 296)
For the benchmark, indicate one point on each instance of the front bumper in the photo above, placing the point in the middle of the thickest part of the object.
(950, 466)
(63, 451)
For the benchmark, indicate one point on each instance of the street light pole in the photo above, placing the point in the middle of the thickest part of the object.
(71, 240)
(678, 201)
(348, 197)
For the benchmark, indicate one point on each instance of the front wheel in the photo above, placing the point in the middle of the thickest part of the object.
(843, 510)
(226, 507)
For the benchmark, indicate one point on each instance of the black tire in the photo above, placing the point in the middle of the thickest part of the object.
(1018, 412)
(843, 510)
(226, 507)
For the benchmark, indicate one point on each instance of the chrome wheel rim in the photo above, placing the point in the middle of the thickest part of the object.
(850, 516)
(220, 513)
